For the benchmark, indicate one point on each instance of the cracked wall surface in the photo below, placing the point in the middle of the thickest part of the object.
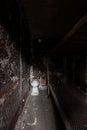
(13, 89)
(9, 57)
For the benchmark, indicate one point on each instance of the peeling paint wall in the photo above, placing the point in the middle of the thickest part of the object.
(9, 57)
(10, 80)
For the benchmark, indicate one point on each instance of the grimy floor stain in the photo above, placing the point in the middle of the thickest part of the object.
(38, 114)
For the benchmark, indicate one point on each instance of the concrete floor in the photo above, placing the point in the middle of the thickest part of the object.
(38, 114)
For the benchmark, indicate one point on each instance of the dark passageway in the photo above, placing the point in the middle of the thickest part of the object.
(43, 65)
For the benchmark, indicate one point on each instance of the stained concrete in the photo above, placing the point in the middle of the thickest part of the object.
(38, 114)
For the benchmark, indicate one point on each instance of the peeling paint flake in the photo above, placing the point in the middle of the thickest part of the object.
(14, 78)
(4, 62)
(2, 100)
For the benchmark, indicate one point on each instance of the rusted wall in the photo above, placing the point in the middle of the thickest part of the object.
(13, 84)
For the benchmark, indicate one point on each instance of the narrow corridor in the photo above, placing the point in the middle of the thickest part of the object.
(43, 65)
(39, 114)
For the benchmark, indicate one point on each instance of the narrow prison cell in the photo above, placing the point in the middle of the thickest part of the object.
(43, 65)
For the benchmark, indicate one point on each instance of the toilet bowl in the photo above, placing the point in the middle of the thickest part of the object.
(34, 87)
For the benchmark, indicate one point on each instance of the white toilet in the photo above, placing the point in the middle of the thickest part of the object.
(35, 86)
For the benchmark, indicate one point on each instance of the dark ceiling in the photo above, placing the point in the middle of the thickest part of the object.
(48, 20)
(51, 20)
(53, 17)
